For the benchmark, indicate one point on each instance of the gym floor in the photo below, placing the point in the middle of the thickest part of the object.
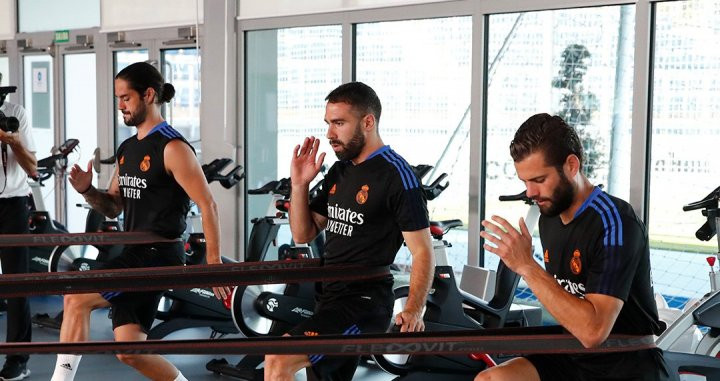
(107, 367)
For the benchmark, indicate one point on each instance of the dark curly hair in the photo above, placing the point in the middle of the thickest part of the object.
(142, 76)
(549, 134)
(359, 95)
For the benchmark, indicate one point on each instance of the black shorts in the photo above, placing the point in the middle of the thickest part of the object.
(140, 307)
(644, 365)
(353, 315)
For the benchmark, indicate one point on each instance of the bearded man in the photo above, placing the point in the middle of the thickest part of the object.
(596, 279)
(370, 202)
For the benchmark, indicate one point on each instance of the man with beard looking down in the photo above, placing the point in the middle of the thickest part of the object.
(156, 176)
(369, 203)
(596, 279)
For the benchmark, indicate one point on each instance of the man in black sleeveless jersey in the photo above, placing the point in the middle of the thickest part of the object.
(156, 176)
(369, 203)
(597, 262)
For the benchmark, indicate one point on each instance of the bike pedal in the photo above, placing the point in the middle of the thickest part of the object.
(221, 366)
(44, 320)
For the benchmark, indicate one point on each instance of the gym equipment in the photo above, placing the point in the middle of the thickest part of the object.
(198, 307)
(449, 308)
(272, 310)
(701, 358)
(40, 221)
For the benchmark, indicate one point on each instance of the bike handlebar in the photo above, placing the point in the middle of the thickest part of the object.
(421, 170)
(433, 190)
(709, 204)
(711, 200)
(46, 166)
(522, 196)
(228, 180)
(231, 179)
(107, 161)
(281, 187)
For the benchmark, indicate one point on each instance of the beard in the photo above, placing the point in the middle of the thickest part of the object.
(351, 149)
(561, 198)
(136, 118)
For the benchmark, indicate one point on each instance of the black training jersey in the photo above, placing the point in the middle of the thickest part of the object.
(152, 200)
(368, 206)
(604, 250)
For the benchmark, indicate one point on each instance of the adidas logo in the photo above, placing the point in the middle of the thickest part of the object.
(66, 366)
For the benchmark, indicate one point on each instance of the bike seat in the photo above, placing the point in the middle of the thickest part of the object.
(439, 228)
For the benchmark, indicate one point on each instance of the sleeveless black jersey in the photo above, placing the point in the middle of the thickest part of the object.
(604, 250)
(368, 206)
(152, 200)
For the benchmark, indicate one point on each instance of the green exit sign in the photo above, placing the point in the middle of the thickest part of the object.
(62, 36)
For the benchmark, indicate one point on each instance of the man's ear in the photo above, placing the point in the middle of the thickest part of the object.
(369, 122)
(572, 165)
(149, 96)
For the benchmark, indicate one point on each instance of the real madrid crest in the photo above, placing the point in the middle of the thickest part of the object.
(362, 195)
(576, 263)
(145, 164)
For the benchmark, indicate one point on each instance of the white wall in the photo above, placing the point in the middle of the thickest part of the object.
(122, 15)
(249, 9)
(7, 19)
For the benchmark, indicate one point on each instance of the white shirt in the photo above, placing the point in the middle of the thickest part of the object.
(17, 185)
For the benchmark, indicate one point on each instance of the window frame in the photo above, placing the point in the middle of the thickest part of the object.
(480, 12)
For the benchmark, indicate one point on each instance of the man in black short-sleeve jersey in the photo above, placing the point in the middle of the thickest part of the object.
(597, 262)
(370, 202)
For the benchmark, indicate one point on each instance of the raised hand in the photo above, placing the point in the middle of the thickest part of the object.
(305, 163)
(512, 246)
(79, 179)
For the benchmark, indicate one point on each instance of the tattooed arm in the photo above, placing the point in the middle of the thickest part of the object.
(108, 203)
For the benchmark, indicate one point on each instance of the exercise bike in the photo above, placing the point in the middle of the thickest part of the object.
(450, 308)
(272, 310)
(701, 358)
(198, 307)
(40, 221)
(194, 249)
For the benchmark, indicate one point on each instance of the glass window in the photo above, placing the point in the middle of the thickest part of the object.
(123, 59)
(288, 74)
(39, 101)
(80, 123)
(181, 68)
(576, 63)
(684, 136)
(421, 70)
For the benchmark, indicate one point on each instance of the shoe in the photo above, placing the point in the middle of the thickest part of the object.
(12, 371)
